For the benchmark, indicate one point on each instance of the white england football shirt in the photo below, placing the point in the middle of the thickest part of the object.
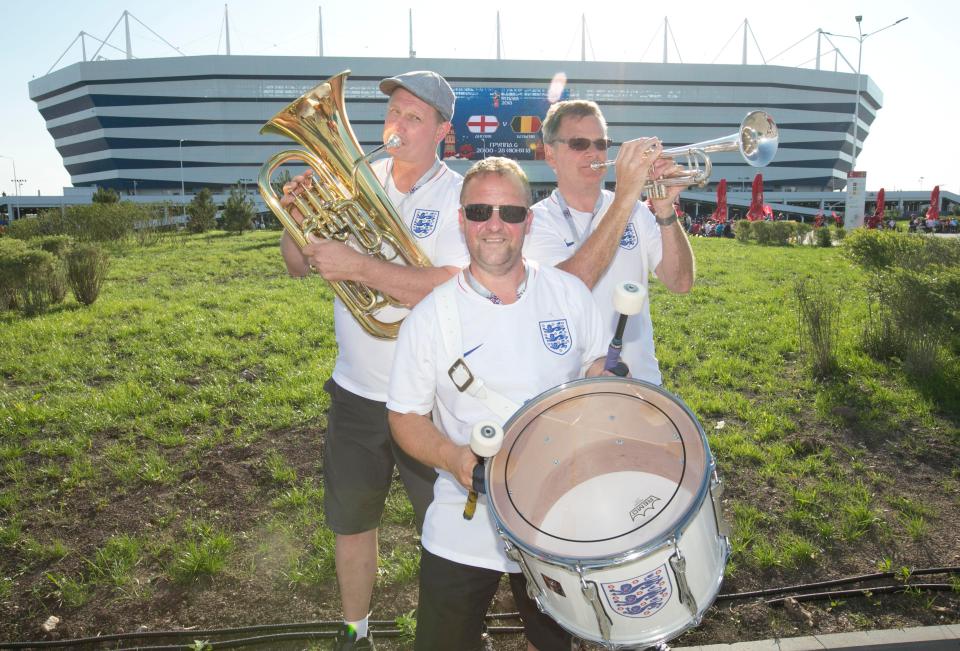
(548, 337)
(430, 212)
(551, 241)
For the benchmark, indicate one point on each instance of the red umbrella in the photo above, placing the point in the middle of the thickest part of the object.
(720, 214)
(756, 200)
(933, 212)
(877, 216)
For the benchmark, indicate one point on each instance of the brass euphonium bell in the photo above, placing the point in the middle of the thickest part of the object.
(346, 202)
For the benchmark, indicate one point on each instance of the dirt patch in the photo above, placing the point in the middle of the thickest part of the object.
(230, 485)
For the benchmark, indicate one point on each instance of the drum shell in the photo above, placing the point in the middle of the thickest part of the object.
(568, 579)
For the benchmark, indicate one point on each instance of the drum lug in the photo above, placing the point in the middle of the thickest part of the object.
(533, 588)
(679, 565)
(716, 494)
(592, 595)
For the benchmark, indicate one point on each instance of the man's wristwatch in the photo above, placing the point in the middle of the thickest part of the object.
(666, 221)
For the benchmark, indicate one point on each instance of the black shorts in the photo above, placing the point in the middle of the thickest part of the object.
(454, 600)
(358, 459)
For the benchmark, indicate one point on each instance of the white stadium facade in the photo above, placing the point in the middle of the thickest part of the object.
(150, 127)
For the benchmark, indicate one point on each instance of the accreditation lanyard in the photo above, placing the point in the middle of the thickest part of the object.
(566, 214)
(476, 286)
(433, 172)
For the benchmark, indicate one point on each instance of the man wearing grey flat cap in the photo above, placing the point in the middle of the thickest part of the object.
(359, 453)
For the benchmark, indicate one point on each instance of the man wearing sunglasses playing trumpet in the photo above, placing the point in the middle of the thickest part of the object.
(521, 327)
(605, 238)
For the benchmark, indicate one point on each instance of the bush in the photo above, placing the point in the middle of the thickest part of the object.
(238, 213)
(96, 222)
(10, 272)
(819, 316)
(202, 211)
(762, 232)
(105, 195)
(58, 245)
(87, 267)
(839, 233)
(801, 230)
(875, 250)
(38, 281)
(742, 230)
(823, 237)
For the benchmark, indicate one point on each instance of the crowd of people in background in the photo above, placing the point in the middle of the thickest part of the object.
(943, 225)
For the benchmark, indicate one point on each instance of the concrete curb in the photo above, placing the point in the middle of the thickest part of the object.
(925, 638)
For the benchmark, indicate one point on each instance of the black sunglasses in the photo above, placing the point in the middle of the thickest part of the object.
(481, 212)
(583, 144)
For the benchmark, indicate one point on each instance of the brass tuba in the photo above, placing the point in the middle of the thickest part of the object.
(346, 202)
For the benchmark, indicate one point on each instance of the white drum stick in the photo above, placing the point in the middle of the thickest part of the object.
(485, 441)
(628, 299)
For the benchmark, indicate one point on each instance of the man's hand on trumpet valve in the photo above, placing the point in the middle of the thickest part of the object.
(635, 162)
(666, 168)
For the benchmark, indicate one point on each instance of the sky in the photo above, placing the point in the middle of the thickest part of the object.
(912, 145)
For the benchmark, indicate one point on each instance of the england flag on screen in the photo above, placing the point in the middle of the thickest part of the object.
(482, 124)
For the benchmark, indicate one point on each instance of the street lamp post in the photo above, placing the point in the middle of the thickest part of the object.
(860, 38)
(16, 186)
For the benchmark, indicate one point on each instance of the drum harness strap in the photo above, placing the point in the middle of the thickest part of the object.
(460, 374)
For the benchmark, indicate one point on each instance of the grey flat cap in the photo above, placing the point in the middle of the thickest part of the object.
(428, 86)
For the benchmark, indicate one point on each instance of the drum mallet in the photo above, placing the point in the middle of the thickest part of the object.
(628, 299)
(485, 441)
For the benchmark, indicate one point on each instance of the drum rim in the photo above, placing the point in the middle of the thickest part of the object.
(633, 553)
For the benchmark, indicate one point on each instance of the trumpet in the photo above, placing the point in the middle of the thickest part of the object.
(757, 142)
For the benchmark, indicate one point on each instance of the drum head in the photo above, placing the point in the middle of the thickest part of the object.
(598, 468)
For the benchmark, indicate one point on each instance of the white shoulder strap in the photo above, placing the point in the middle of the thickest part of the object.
(448, 317)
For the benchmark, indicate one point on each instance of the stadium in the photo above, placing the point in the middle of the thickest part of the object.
(170, 126)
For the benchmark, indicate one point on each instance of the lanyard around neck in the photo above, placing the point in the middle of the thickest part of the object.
(476, 286)
(566, 214)
(426, 178)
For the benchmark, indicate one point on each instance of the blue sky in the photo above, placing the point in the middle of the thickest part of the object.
(913, 143)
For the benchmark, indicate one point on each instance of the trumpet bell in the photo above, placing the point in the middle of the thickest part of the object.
(759, 139)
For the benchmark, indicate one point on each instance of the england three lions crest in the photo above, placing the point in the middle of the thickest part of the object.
(641, 596)
(629, 239)
(424, 222)
(556, 336)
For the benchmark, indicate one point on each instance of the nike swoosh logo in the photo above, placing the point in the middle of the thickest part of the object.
(472, 349)
(569, 243)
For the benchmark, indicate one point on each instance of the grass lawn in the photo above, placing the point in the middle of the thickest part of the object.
(160, 450)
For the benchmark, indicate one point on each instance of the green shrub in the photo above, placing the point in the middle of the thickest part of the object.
(105, 195)
(202, 211)
(24, 228)
(10, 272)
(839, 233)
(818, 314)
(823, 237)
(762, 232)
(38, 286)
(742, 230)
(781, 232)
(96, 222)
(238, 213)
(87, 267)
(58, 245)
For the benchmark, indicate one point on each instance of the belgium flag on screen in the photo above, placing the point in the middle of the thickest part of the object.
(525, 124)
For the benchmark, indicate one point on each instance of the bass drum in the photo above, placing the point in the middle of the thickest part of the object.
(606, 494)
